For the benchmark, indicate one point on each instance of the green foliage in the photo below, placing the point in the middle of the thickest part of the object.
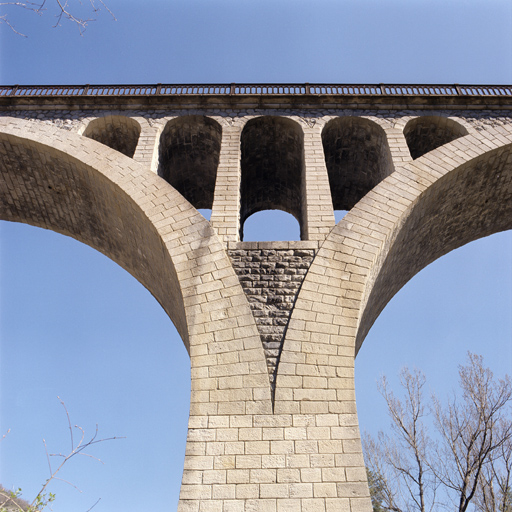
(11, 501)
(376, 484)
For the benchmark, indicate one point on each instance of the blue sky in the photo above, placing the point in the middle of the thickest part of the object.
(74, 324)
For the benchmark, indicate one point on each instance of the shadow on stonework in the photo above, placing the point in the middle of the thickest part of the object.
(272, 168)
(425, 133)
(117, 132)
(189, 157)
(357, 158)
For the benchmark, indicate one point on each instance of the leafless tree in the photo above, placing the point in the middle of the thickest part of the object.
(473, 430)
(388, 492)
(495, 492)
(63, 12)
(471, 460)
(401, 460)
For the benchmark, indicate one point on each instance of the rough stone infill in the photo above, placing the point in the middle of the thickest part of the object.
(271, 274)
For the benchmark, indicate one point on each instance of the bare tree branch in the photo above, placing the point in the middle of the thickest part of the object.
(405, 454)
(89, 509)
(495, 490)
(44, 499)
(472, 462)
(469, 430)
(64, 11)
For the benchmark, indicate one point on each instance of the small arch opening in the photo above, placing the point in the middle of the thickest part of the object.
(271, 226)
(272, 168)
(425, 133)
(189, 157)
(357, 158)
(117, 132)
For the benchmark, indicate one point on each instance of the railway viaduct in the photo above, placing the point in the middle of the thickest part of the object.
(272, 328)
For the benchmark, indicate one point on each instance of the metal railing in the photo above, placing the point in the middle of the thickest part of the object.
(24, 91)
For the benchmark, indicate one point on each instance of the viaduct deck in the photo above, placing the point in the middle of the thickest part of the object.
(272, 328)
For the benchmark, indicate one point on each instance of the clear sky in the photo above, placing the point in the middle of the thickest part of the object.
(74, 324)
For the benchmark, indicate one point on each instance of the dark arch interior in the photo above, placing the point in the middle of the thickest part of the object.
(468, 203)
(272, 167)
(67, 196)
(357, 157)
(189, 157)
(117, 132)
(426, 133)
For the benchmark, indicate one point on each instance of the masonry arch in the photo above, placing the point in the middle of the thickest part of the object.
(117, 132)
(357, 157)
(425, 133)
(382, 243)
(58, 189)
(470, 201)
(58, 180)
(189, 157)
(272, 166)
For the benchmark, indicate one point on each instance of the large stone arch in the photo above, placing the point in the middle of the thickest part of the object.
(469, 201)
(61, 181)
(414, 216)
(81, 189)
(360, 267)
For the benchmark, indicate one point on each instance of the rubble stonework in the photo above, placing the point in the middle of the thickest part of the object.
(271, 275)
(272, 328)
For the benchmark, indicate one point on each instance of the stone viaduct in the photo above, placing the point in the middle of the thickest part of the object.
(272, 328)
